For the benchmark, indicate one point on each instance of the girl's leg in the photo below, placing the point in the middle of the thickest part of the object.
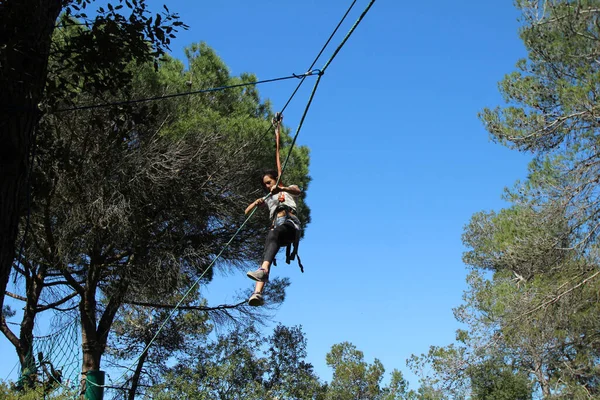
(276, 238)
(259, 287)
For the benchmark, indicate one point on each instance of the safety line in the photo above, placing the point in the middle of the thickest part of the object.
(180, 94)
(320, 52)
(312, 95)
(320, 74)
(264, 135)
(335, 53)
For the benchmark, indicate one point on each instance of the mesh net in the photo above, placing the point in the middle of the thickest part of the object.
(56, 358)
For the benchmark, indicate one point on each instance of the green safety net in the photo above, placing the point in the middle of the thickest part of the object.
(55, 360)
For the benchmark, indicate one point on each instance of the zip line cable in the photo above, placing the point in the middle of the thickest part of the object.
(255, 208)
(187, 293)
(264, 135)
(335, 53)
(302, 78)
(320, 53)
(180, 94)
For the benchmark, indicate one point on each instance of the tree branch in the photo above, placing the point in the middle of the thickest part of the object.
(555, 299)
(57, 303)
(12, 338)
(58, 283)
(196, 308)
(16, 296)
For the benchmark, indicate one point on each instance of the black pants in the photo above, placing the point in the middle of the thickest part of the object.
(281, 236)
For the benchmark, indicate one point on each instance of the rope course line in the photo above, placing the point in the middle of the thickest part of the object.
(193, 286)
(350, 32)
(181, 94)
(320, 53)
(287, 103)
(302, 78)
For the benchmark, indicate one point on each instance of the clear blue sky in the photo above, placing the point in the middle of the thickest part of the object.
(399, 160)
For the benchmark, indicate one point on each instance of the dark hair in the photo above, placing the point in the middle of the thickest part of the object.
(270, 172)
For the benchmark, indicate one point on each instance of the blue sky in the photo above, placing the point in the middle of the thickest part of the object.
(399, 159)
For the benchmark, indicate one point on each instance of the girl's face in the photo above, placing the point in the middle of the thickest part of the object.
(269, 182)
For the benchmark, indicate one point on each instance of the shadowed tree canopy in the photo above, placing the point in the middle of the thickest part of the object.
(132, 204)
(31, 84)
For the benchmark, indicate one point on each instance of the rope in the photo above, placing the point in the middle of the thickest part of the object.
(180, 94)
(312, 95)
(320, 53)
(278, 120)
(226, 244)
(320, 74)
(12, 370)
(287, 103)
(358, 21)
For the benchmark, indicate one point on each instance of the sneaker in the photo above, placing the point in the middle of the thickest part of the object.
(259, 275)
(256, 300)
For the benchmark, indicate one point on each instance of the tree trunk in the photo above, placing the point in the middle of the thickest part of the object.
(543, 382)
(135, 379)
(26, 28)
(34, 286)
(89, 338)
(94, 335)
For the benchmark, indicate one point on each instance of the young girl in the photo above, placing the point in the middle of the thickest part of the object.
(286, 225)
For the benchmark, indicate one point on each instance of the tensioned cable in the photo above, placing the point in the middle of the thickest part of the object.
(255, 208)
(186, 294)
(264, 135)
(335, 53)
(180, 94)
(320, 53)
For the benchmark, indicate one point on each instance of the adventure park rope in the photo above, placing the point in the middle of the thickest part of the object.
(320, 73)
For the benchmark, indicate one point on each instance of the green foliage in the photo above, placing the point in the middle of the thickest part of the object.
(352, 376)
(398, 388)
(97, 52)
(289, 376)
(235, 366)
(531, 304)
(495, 381)
(8, 392)
(550, 94)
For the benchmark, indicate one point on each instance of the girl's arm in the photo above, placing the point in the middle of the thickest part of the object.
(255, 203)
(294, 190)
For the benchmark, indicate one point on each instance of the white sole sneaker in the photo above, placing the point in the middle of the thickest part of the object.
(256, 300)
(259, 275)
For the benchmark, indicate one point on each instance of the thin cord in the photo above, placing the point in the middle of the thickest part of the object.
(255, 208)
(358, 21)
(287, 103)
(320, 53)
(188, 93)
